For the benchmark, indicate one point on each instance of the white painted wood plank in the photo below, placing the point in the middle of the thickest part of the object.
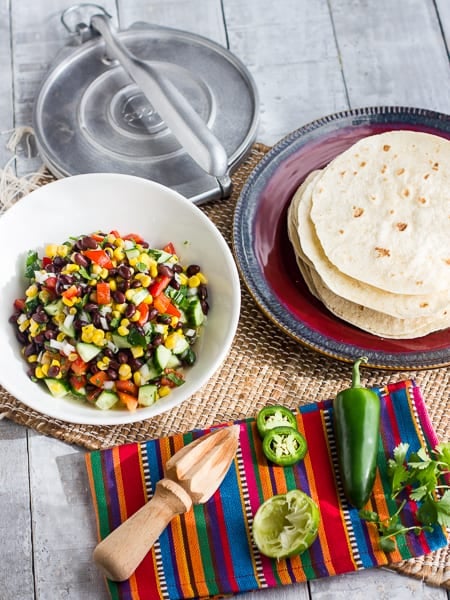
(443, 7)
(203, 17)
(16, 566)
(37, 38)
(6, 97)
(290, 50)
(392, 53)
(380, 584)
(64, 529)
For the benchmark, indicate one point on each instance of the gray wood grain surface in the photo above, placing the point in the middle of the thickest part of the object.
(309, 58)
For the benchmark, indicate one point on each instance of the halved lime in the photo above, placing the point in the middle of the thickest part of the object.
(286, 524)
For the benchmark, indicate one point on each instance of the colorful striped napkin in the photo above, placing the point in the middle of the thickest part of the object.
(209, 551)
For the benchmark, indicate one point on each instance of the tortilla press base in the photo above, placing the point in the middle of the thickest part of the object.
(89, 116)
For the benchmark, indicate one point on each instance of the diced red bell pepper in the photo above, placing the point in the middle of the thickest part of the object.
(126, 386)
(103, 293)
(164, 306)
(133, 236)
(159, 285)
(78, 366)
(71, 292)
(99, 257)
(130, 401)
(169, 248)
(98, 378)
(50, 283)
(46, 261)
(19, 303)
(77, 382)
(143, 312)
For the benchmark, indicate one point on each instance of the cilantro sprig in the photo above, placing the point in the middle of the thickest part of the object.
(423, 478)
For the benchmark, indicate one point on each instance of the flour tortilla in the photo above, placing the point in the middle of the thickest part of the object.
(436, 305)
(381, 212)
(367, 319)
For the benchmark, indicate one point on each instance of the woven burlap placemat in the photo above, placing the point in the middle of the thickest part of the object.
(264, 366)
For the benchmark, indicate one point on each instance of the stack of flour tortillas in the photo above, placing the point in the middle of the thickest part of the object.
(371, 234)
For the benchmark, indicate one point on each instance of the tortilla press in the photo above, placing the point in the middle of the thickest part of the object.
(149, 101)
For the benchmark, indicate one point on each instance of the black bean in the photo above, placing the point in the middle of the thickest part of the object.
(152, 313)
(53, 371)
(112, 374)
(123, 285)
(205, 306)
(165, 319)
(175, 284)
(108, 352)
(97, 320)
(87, 243)
(135, 283)
(202, 291)
(176, 268)
(40, 317)
(165, 271)
(122, 357)
(59, 262)
(39, 338)
(119, 297)
(91, 307)
(135, 364)
(124, 271)
(29, 350)
(192, 270)
(114, 364)
(130, 310)
(50, 334)
(80, 260)
(157, 340)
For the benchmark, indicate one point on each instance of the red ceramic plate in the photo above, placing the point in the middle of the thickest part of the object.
(265, 256)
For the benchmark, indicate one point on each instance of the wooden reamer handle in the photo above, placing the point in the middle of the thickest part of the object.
(121, 552)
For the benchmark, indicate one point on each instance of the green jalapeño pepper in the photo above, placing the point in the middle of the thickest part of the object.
(357, 425)
(274, 416)
(284, 446)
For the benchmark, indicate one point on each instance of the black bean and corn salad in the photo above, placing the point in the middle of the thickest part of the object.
(109, 319)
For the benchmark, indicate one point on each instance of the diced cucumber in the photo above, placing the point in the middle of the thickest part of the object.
(120, 341)
(194, 313)
(173, 362)
(161, 357)
(87, 351)
(148, 372)
(148, 394)
(140, 296)
(181, 345)
(54, 308)
(57, 388)
(132, 253)
(106, 400)
(79, 393)
(159, 255)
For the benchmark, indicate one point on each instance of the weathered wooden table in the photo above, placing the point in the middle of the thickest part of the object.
(309, 59)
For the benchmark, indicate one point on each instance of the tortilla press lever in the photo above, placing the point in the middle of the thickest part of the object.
(186, 125)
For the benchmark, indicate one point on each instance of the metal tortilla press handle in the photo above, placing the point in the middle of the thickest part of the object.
(184, 122)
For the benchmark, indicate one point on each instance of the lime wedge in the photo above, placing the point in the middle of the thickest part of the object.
(286, 524)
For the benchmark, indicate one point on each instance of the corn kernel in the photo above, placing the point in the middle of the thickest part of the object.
(153, 270)
(120, 308)
(61, 337)
(98, 337)
(59, 319)
(121, 330)
(44, 296)
(137, 351)
(24, 325)
(102, 365)
(32, 358)
(68, 301)
(104, 273)
(136, 316)
(164, 390)
(34, 327)
(145, 258)
(70, 268)
(194, 281)
(118, 242)
(112, 285)
(72, 311)
(62, 250)
(39, 373)
(86, 333)
(202, 278)
(133, 261)
(183, 279)
(137, 378)
(148, 299)
(31, 291)
(111, 238)
(73, 356)
(109, 251)
(174, 321)
(96, 269)
(125, 322)
(45, 369)
(124, 372)
(51, 250)
(171, 341)
(55, 363)
(115, 314)
(130, 293)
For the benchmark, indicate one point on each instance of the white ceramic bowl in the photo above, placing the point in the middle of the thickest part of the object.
(85, 203)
